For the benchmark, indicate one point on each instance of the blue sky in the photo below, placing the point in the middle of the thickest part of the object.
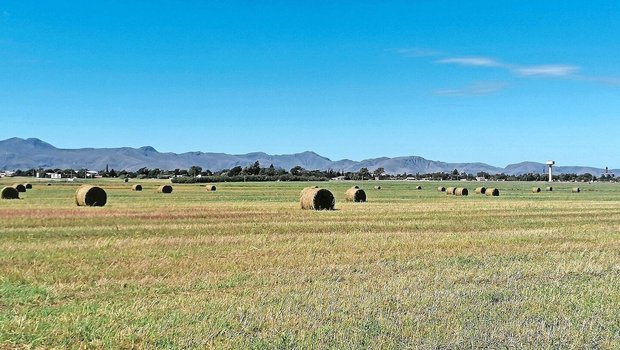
(491, 81)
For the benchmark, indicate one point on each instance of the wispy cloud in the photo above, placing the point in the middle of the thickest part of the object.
(418, 52)
(472, 61)
(548, 70)
(475, 89)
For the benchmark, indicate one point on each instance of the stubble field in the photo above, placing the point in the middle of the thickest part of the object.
(244, 267)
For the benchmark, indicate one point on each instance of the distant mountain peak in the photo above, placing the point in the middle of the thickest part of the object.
(147, 149)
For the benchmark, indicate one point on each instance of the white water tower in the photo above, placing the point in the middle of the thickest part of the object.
(550, 164)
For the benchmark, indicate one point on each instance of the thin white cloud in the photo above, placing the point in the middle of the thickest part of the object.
(475, 89)
(472, 61)
(548, 70)
(552, 71)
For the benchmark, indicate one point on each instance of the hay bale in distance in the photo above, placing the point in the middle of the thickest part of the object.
(165, 189)
(90, 196)
(126, 179)
(28, 186)
(441, 189)
(480, 190)
(317, 199)
(535, 189)
(10, 193)
(461, 191)
(492, 192)
(576, 189)
(211, 188)
(549, 189)
(377, 187)
(450, 190)
(19, 187)
(136, 187)
(418, 187)
(355, 194)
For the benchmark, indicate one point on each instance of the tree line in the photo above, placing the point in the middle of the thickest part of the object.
(255, 172)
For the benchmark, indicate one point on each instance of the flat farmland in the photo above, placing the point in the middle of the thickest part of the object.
(245, 267)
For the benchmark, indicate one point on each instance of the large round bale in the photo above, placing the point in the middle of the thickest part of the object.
(355, 194)
(535, 189)
(480, 190)
(492, 192)
(377, 187)
(90, 196)
(549, 189)
(441, 189)
(136, 188)
(576, 189)
(10, 193)
(19, 187)
(461, 191)
(450, 190)
(307, 188)
(418, 187)
(165, 189)
(28, 186)
(211, 188)
(317, 199)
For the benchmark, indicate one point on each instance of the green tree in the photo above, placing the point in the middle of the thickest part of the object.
(194, 170)
(235, 171)
(253, 169)
(364, 173)
(378, 172)
(297, 170)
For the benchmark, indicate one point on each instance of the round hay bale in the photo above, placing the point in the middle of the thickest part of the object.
(211, 188)
(355, 194)
(19, 187)
(90, 196)
(356, 186)
(535, 189)
(377, 187)
(461, 192)
(10, 193)
(576, 189)
(549, 189)
(165, 189)
(49, 184)
(450, 190)
(136, 187)
(492, 192)
(418, 187)
(317, 199)
(441, 189)
(480, 190)
(126, 180)
(28, 186)
(306, 188)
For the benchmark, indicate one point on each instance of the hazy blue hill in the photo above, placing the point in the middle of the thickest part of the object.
(17, 153)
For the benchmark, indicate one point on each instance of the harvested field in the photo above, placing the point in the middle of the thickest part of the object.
(246, 268)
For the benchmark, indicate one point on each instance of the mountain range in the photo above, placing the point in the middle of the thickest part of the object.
(18, 153)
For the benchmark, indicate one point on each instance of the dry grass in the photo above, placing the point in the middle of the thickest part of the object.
(249, 269)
